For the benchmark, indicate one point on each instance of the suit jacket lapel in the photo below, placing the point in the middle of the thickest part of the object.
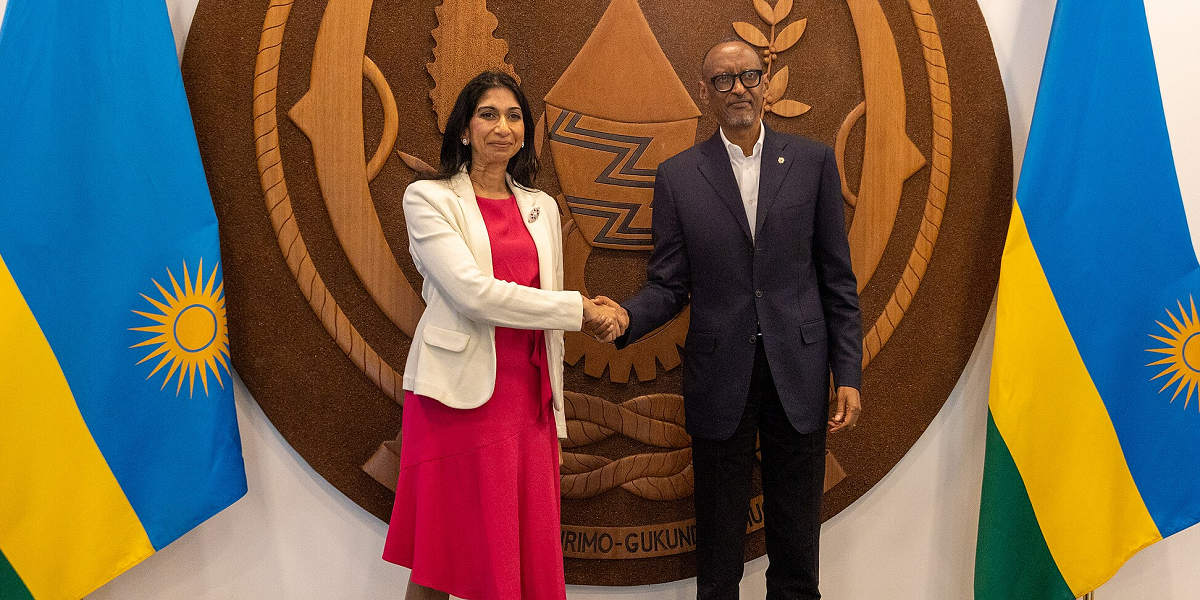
(476, 230)
(719, 173)
(771, 174)
(527, 203)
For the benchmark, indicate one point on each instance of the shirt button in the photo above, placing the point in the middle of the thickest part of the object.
(758, 293)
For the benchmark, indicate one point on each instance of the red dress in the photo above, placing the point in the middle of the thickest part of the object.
(477, 502)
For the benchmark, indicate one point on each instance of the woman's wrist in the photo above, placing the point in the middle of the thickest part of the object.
(589, 310)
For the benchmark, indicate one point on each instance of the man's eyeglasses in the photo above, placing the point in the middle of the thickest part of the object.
(750, 79)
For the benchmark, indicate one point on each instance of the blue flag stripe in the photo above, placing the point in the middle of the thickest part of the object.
(104, 191)
(1099, 160)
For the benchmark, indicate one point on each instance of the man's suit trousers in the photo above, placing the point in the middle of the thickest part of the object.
(793, 475)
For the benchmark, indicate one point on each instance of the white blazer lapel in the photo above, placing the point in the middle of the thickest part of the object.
(475, 229)
(536, 222)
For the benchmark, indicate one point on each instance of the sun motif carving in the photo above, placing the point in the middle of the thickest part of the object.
(189, 330)
(1182, 350)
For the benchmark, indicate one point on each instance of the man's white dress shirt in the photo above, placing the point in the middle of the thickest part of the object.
(746, 170)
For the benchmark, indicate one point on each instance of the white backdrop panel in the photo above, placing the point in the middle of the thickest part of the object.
(911, 537)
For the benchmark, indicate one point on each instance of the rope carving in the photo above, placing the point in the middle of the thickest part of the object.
(654, 420)
(279, 206)
(939, 184)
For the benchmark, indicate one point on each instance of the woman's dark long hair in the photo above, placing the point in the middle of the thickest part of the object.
(523, 166)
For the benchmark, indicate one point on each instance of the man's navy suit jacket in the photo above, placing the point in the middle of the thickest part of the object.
(793, 282)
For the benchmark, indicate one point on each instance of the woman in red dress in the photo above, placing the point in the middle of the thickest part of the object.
(477, 502)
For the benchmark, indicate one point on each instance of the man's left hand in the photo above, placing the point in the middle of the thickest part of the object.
(847, 409)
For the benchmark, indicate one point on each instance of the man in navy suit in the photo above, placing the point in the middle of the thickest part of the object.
(748, 228)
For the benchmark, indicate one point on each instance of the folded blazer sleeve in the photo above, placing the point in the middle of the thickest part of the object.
(442, 256)
(668, 274)
(835, 276)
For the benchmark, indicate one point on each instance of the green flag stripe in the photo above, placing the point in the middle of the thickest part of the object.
(11, 586)
(1011, 557)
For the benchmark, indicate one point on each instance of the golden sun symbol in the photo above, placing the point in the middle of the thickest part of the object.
(1182, 350)
(189, 331)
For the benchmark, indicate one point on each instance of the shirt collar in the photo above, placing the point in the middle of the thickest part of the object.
(735, 151)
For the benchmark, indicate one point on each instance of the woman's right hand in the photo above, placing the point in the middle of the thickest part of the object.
(600, 321)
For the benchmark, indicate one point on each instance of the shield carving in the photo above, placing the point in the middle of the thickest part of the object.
(313, 116)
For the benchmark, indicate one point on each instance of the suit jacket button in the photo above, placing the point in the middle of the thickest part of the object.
(753, 339)
(758, 293)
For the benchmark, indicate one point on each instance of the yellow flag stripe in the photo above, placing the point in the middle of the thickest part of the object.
(66, 526)
(1054, 423)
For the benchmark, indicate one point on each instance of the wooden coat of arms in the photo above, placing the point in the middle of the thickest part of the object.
(313, 116)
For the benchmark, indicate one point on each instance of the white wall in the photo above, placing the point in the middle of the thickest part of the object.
(911, 537)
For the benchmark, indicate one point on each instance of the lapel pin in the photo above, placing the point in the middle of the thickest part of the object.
(781, 160)
(533, 214)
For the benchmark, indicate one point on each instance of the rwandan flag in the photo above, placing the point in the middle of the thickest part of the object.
(1094, 423)
(117, 429)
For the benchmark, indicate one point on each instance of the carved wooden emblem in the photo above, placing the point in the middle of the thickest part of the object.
(313, 117)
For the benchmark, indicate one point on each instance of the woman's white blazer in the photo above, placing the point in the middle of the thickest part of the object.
(453, 354)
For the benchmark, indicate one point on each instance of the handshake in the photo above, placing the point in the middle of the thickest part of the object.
(603, 318)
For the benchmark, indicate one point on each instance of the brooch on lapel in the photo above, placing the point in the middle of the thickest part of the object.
(781, 160)
(533, 214)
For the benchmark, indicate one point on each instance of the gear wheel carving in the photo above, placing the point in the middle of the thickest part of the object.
(660, 346)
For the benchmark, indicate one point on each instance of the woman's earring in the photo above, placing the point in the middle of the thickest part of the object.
(522, 144)
(466, 142)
